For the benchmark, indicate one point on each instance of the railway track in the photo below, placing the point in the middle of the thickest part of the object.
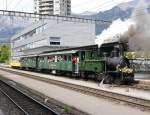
(26, 104)
(129, 100)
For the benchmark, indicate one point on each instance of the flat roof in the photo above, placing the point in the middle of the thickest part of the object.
(60, 53)
(75, 48)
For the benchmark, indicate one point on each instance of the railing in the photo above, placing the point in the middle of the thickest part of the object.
(52, 17)
(141, 64)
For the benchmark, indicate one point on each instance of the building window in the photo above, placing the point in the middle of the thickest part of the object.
(54, 43)
(54, 40)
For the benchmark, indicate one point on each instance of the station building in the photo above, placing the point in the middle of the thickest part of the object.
(51, 34)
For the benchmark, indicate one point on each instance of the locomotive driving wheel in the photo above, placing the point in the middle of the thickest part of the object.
(108, 79)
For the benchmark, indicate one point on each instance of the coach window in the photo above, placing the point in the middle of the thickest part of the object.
(42, 59)
(83, 55)
(34, 59)
(59, 58)
(65, 58)
(92, 54)
(51, 58)
(45, 58)
(48, 58)
(69, 57)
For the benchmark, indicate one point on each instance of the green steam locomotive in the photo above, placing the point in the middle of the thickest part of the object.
(106, 63)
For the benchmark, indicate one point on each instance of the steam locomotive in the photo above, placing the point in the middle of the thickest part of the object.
(106, 63)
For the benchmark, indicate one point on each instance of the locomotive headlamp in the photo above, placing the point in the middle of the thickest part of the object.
(124, 69)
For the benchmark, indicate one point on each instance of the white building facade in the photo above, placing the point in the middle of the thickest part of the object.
(53, 7)
(47, 35)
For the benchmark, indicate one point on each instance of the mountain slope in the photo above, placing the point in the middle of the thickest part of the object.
(10, 26)
(7, 32)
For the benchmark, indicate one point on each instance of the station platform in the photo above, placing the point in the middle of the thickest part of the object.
(142, 76)
(111, 88)
(89, 104)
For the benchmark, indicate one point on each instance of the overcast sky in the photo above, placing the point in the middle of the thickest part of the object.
(78, 6)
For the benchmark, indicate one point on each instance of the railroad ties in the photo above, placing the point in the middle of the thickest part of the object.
(24, 103)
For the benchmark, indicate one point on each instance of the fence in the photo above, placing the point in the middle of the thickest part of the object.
(141, 64)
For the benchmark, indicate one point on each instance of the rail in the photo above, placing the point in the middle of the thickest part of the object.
(24, 102)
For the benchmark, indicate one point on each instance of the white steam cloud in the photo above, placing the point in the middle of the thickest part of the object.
(114, 32)
(136, 29)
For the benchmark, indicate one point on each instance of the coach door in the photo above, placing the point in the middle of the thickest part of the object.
(75, 63)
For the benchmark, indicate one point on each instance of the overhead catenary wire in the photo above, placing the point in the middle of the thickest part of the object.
(140, 9)
(108, 2)
(81, 4)
(50, 17)
(10, 3)
(85, 3)
(99, 5)
(76, 17)
(6, 4)
(17, 4)
(105, 3)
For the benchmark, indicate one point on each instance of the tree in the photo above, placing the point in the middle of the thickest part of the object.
(4, 53)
